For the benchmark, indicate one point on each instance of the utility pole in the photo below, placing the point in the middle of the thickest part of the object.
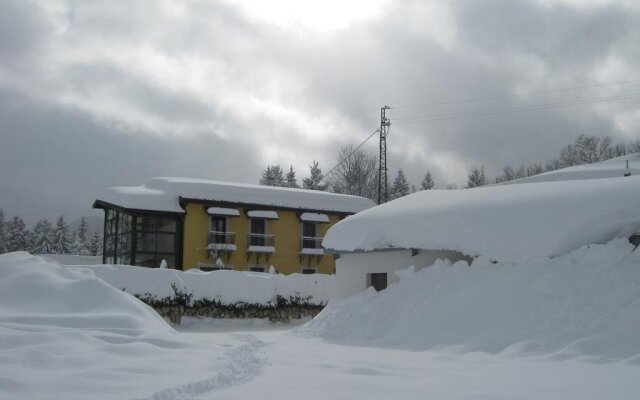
(383, 192)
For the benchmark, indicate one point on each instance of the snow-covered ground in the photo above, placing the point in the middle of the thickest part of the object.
(560, 329)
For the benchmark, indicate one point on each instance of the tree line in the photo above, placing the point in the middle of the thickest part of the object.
(357, 170)
(47, 238)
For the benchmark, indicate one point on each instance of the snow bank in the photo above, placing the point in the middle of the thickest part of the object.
(162, 194)
(73, 259)
(35, 291)
(506, 223)
(228, 287)
(583, 303)
(613, 168)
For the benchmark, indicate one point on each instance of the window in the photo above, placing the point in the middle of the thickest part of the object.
(256, 268)
(308, 270)
(218, 230)
(378, 280)
(309, 235)
(156, 240)
(258, 232)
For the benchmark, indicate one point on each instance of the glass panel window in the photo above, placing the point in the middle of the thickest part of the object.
(166, 224)
(146, 260)
(146, 242)
(165, 243)
(218, 224)
(309, 233)
(146, 224)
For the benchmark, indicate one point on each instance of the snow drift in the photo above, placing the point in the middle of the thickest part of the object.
(505, 223)
(38, 292)
(227, 287)
(583, 303)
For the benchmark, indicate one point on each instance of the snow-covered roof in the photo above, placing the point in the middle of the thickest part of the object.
(613, 168)
(262, 214)
(228, 212)
(162, 194)
(314, 217)
(504, 222)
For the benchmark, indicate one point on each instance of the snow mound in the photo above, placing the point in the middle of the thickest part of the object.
(506, 223)
(226, 286)
(37, 292)
(612, 168)
(583, 303)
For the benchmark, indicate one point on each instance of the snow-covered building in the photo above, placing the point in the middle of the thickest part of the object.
(544, 216)
(195, 223)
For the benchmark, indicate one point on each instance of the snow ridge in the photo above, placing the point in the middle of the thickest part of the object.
(586, 303)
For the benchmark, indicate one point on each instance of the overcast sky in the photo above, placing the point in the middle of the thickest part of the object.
(101, 93)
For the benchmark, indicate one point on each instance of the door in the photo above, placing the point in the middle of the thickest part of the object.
(378, 280)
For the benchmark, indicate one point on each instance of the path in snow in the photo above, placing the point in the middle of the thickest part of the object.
(244, 364)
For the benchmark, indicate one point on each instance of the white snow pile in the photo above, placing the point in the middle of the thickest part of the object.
(505, 223)
(586, 302)
(66, 334)
(162, 194)
(225, 286)
(38, 292)
(612, 168)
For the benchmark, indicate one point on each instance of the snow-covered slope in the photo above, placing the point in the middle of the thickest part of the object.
(505, 223)
(162, 194)
(583, 303)
(68, 335)
(613, 168)
(37, 292)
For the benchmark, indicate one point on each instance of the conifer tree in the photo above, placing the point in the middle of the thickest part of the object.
(3, 229)
(61, 238)
(400, 186)
(82, 230)
(96, 244)
(41, 238)
(476, 177)
(17, 235)
(290, 180)
(272, 176)
(427, 182)
(314, 181)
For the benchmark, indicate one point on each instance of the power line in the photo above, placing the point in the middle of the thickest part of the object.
(475, 99)
(349, 155)
(497, 111)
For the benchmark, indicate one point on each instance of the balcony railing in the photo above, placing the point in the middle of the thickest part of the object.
(258, 239)
(310, 242)
(216, 237)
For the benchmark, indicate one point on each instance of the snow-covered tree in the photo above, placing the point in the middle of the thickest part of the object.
(427, 182)
(95, 244)
(400, 186)
(82, 230)
(17, 235)
(356, 173)
(314, 181)
(41, 238)
(79, 240)
(476, 177)
(3, 226)
(272, 176)
(451, 186)
(61, 237)
(290, 179)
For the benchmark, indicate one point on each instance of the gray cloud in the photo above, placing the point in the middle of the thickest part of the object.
(201, 89)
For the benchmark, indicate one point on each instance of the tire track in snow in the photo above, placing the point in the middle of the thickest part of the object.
(245, 364)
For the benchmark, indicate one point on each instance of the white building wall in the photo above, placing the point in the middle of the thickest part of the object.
(352, 268)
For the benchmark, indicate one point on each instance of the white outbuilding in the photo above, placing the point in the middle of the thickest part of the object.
(511, 222)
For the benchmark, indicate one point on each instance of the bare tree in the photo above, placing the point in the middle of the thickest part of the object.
(356, 173)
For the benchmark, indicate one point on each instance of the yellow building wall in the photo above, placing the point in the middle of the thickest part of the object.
(287, 230)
